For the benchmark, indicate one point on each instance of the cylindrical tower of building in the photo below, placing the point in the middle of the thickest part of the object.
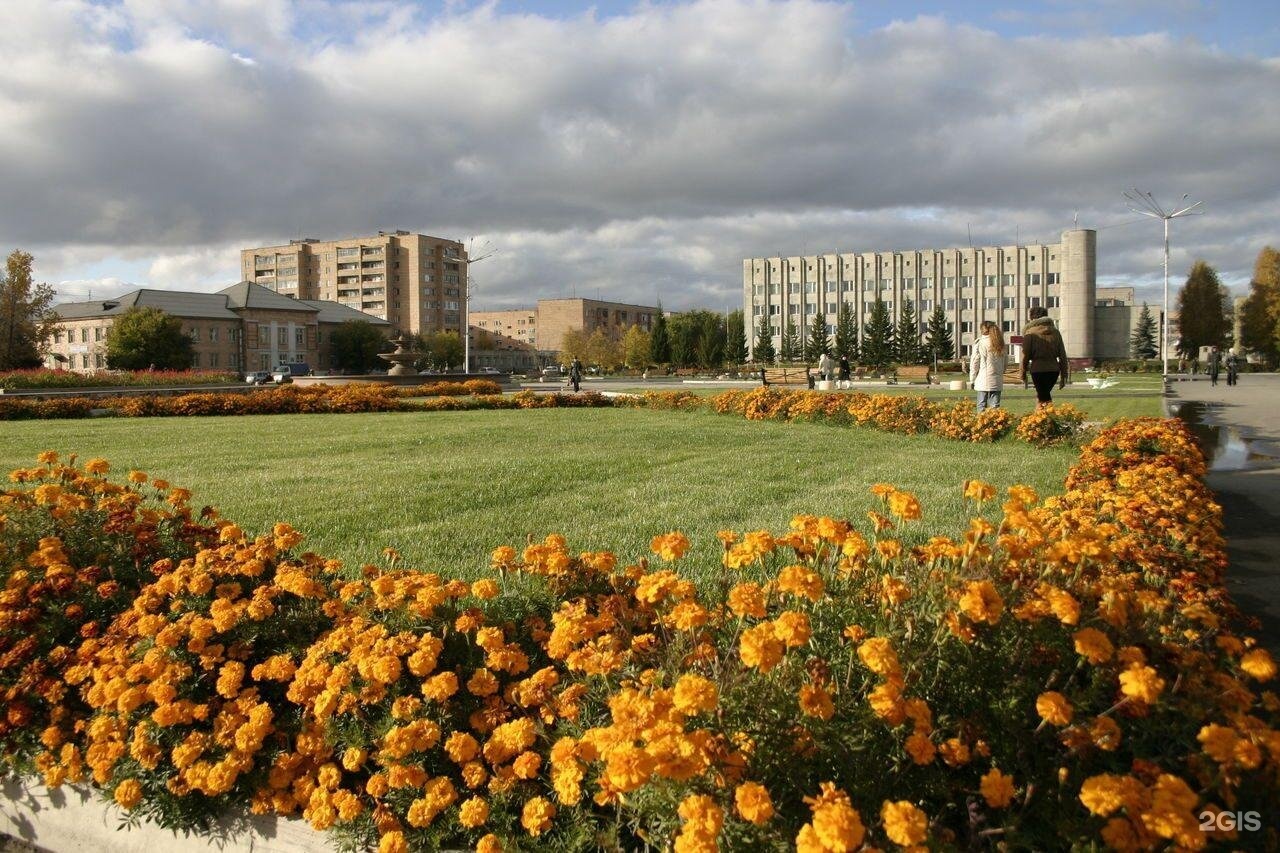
(1079, 291)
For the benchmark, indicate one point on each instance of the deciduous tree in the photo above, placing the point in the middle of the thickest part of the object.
(26, 321)
(1260, 313)
(1202, 311)
(355, 345)
(144, 338)
(635, 348)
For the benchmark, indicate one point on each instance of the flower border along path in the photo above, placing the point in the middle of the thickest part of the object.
(1062, 671)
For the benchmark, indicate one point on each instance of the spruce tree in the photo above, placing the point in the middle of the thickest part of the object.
(877, 336)
(817, 344)
(765, 353)
(659, 340)
(735, 338)
(1143, 342)
(907, 335)
(1202, 311)
(938, 342)
(790, 343)
(846, 333)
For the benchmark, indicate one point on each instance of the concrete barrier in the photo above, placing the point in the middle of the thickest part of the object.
(73, 818)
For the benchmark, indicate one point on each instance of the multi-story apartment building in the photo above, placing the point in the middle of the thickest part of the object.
(415, 282)
(997, 283)
(541, 329)
(242, 327)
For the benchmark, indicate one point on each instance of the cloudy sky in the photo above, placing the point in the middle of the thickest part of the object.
(631, 150)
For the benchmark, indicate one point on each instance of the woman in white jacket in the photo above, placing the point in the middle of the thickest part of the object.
(986, 367)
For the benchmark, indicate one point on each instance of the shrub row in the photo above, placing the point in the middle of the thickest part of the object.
(1060, 673)
(18, 380)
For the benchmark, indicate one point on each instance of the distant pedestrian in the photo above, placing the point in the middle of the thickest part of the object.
(575, 375)
(1044, 356)
(825, 367)
(1233, 368)
(1214, 366)
(844, 368)
(986, 368)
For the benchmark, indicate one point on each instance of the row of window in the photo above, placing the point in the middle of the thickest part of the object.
(887, 284)
(990, 303)
(987, 257)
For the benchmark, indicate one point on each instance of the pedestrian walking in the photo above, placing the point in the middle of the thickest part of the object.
(1044, 356)
(844, 371)
(825, 367)
(1214, 366)
(575, 375)
(1233, 368)
(986, 367)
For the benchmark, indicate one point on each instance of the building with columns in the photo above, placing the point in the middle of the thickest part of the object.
(997, 283)
(243, 327)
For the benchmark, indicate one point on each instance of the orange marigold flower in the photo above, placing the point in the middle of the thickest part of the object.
(904, 823)
(921, 748)
(97, 466)
(753, 803)
(482, 683)
(981, 602)
(802, 582)
(694, 694)
(997, 788)
(393, 842)
(747, 599)
(473, 812)
(905, 506)
(1259, 665)
(537, 815)
(792, 628)
(759, 647)
(976, 490)
(128, 793)
(1142, 683)
(670, 546)
(1093, 645)
(815, 701)
(1054, 708)
(485, 588)
(878, 655)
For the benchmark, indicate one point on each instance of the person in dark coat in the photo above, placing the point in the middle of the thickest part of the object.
(575, 375)
(844, 368)
(1233, 368)
(1214, 365)
(1044, 356)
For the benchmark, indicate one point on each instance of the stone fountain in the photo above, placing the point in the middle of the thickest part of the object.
(402, 358)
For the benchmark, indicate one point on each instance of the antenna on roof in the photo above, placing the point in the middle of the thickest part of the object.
(969, 228)
(1075, 220)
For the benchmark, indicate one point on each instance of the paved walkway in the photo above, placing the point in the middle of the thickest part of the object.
(1248, 417)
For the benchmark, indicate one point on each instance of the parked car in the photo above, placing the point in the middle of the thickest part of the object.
(286, 372)
(552, 373)
(491, 370)
(258, 377)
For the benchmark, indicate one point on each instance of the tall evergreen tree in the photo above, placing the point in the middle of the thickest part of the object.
(877, 336)
(1260, 313)
(906, 338)
(764, 351)
(1144, 342)
(710, 347)
(790, 343)
(735, 351)
(846, 333)
(938, 342)
(1202, 311)
(659, 340)
(817, 344)
(684, 332)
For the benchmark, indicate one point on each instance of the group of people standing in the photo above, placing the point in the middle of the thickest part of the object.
(827, 368)
(1044, 360)
(1216, 363)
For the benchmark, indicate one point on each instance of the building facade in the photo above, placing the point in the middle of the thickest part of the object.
(415, 282)
(540, 330)
(997, 283)
(243, 327)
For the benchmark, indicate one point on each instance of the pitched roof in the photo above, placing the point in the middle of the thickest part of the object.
(246, 294)
(336, 312)
(179, 303)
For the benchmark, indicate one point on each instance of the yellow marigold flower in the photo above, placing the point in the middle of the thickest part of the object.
(1107, 793)
(701, 817)
(976, 490)
(1259, 665)
(440, 687)
(904, 823)
(489, 844)
(747, 599)
(694, 694)
(485, 588)
(1105, 733)
(1172, 813)
(526, 765)
(801, 582)
(482, 683)
(537, 815)
(727, 537)
(502, 557)
(753, 803)
(1219, 742)
(353, 758)
(97, 466)
(138, 477)
(1093, 645)
(893, 591)
(473, 812)
(1141, 683)
(905, 506)
(393, 842)
(47, 457)
(955, 752)
(128, 794)
(759, 647)
(878, 655)
(688, 616)
(815, 701)
(1054, 708)
(836, 825)
(886, 702)
(1063, 605)
(792, 628)
(461, 747)
(981, 602)
(628, 767)
(670, 546)
(920, 748)
(997, 788)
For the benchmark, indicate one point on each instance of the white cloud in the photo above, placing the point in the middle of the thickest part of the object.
(640, 154)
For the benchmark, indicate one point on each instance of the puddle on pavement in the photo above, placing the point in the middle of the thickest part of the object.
(1226, 448)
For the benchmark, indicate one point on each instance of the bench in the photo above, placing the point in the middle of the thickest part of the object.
(912, 373)
(785, 376)
(1013, 373)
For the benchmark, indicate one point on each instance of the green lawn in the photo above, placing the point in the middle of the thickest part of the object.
(445, 488)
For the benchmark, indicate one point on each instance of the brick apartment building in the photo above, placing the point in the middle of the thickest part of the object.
(520, 338)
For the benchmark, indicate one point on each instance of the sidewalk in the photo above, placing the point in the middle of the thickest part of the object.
(1250, 495)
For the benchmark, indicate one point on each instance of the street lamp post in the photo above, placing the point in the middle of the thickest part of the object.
(466, 308)
(1145, 204)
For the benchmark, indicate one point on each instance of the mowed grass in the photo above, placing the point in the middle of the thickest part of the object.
(446, 488)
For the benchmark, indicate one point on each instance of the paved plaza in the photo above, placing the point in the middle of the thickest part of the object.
(1246, 477)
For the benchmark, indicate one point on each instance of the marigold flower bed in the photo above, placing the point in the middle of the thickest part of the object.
(1061, 672)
